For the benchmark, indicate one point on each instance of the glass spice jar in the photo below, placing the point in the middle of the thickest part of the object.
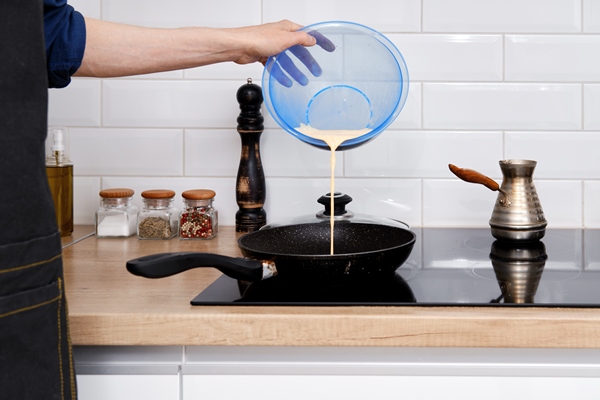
(159, 218)
(198, 220)
(116, 217)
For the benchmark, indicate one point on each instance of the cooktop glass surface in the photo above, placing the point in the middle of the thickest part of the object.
(451, 267)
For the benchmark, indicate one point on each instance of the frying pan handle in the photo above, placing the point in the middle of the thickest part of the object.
(166, 264)
(469, 175)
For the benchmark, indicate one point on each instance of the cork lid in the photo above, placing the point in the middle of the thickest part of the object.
(198, 194)
(158, 194)
(116, 193)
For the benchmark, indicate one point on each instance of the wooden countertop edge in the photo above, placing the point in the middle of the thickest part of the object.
(108, 306)
(372, 326)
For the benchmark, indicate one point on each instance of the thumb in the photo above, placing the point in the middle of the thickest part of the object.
(305, 39)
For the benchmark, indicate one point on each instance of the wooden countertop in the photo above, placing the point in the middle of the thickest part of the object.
(109, 306)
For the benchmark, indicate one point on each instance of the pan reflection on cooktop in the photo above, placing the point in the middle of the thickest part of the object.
(451, 267)
(274, 291)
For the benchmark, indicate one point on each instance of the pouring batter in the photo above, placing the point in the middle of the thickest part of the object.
(333, 138)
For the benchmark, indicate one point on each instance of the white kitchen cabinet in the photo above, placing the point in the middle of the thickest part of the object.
(128, 373)
(351, 373)
(296, 373)
(127, 387)
(329, 387)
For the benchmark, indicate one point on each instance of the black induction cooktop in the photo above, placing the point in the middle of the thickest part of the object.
(450, 267)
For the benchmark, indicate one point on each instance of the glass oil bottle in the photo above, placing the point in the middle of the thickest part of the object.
(59, 170)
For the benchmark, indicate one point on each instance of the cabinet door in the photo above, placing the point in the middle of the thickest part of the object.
(355, 373)
(128, 372)
(277, 387)
(128, 387)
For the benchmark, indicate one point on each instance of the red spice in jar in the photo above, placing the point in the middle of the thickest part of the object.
(198, 220)
(195, 224)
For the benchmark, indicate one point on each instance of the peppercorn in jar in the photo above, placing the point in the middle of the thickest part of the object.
(159, 218)
(198, 220)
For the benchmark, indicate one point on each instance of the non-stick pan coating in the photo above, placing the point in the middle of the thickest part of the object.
(303, 251)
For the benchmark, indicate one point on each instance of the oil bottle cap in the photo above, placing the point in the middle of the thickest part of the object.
(58, 140)
(57, 144)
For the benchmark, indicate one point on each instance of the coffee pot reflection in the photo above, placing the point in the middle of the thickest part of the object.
(518, 268)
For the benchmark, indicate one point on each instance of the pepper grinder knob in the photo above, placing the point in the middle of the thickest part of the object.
(250, 183)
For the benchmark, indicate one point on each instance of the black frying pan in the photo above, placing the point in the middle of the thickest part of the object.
(297, 252)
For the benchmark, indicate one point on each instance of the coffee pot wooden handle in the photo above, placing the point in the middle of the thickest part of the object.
(469, 175)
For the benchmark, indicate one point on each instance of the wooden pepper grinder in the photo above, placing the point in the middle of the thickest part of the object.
(250, 184)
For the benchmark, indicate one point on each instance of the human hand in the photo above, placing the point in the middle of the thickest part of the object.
(285, 63)
(281, 38)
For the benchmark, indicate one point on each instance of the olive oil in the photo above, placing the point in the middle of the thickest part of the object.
(60, 179)
(59, 170)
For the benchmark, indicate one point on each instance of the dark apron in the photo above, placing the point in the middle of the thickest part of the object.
(35, 351)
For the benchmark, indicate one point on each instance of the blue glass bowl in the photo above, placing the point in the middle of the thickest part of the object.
(361, 81)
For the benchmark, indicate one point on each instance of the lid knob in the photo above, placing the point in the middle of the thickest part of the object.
(340, 200)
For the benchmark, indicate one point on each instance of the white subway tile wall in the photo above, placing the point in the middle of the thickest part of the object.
(489, 80)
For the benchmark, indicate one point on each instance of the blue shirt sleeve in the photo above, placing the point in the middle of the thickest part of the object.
(64, 31)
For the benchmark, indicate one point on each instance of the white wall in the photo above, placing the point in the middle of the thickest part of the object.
(490, 79)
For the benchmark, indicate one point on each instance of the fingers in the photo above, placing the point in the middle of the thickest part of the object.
(278, 74)
(285, 68)
(288, 65)
(288, 25)
(322, 41)
(307, 39)
(307, 59)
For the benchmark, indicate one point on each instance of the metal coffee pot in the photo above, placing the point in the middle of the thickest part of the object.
(517, 214)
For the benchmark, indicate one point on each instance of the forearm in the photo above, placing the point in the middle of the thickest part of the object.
(121, 50)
